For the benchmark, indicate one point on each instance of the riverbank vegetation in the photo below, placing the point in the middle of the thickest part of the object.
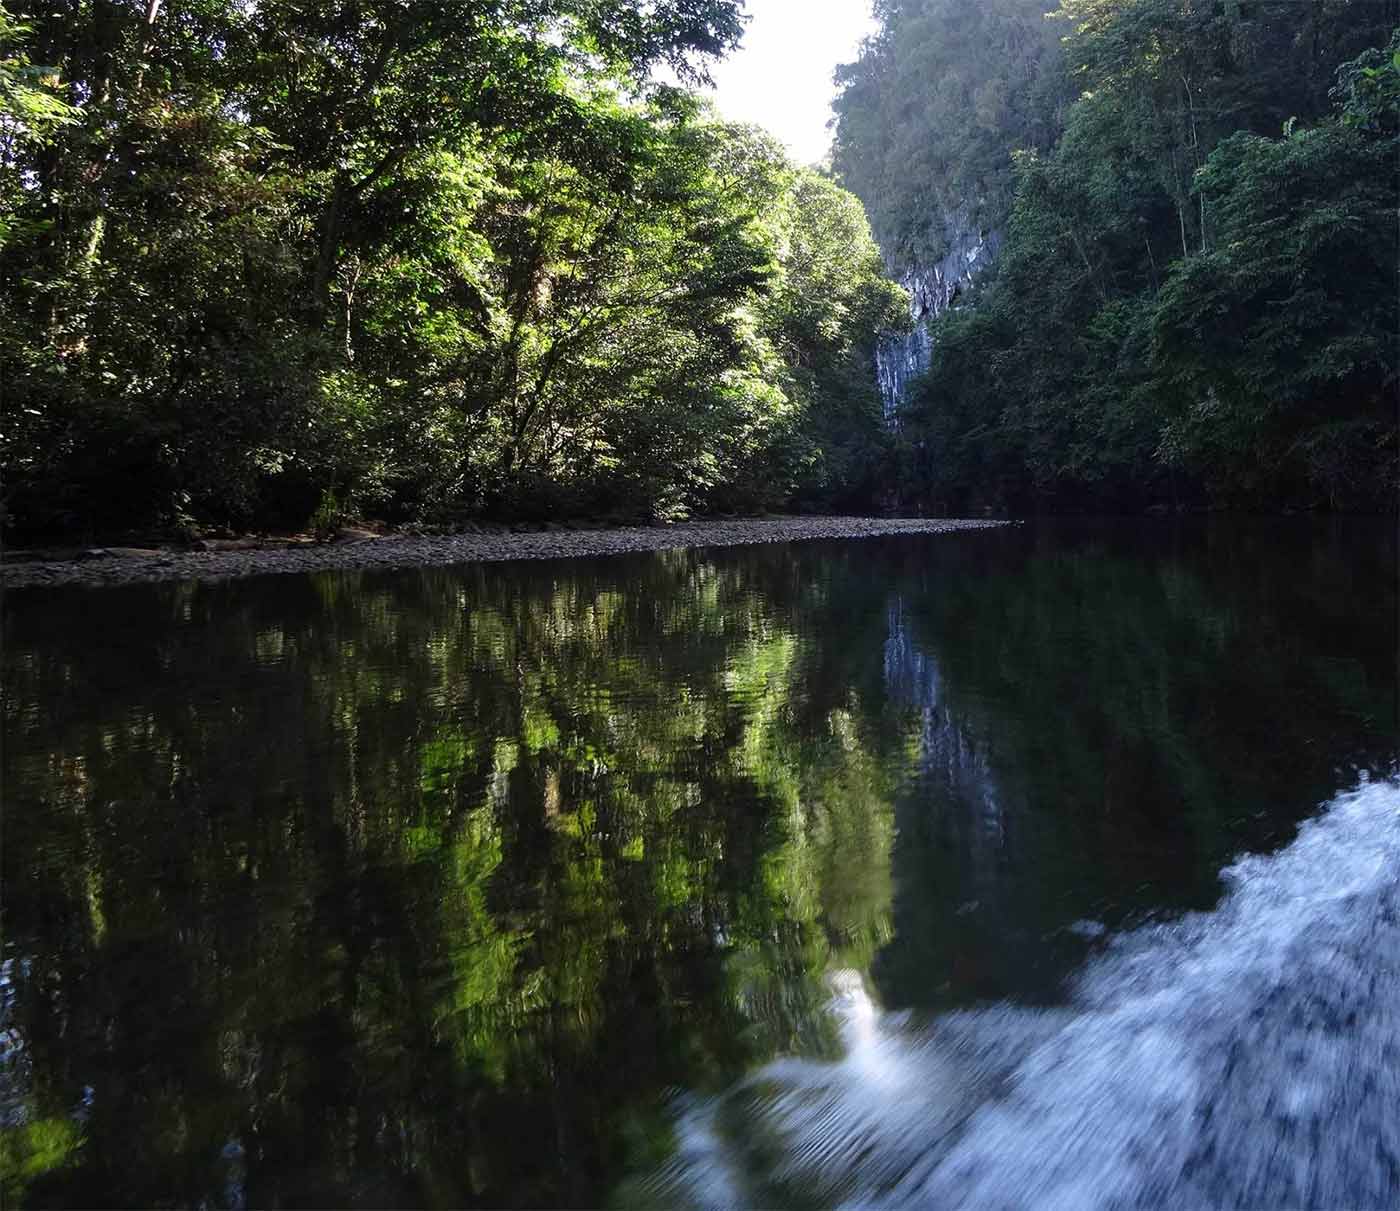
(284, 263)
(1194, 299)
(281, 265)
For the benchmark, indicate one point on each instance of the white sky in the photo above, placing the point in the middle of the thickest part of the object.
(780, 78)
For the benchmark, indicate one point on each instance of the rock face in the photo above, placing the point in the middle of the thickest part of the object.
(932, 288)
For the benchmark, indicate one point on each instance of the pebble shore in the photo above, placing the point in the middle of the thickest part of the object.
(102, 567)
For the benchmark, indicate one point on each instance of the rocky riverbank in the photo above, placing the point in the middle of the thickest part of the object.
(99, 567)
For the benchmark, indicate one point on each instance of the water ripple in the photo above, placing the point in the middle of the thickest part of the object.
(1245, 1057)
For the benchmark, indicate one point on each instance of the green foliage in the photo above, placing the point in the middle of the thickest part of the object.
(1275, 350)
(929, 115)
(825, 311)
(1189, 307)
(31, 112)
(34, 1150)
(417, 259)
(31, 109)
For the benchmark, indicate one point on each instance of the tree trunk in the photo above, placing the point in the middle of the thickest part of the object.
(144, 46)
(328, 253)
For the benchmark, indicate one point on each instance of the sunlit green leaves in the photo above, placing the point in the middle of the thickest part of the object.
(31, 1150)
(416, 260)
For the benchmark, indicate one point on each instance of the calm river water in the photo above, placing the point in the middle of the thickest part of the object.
(1028, 868)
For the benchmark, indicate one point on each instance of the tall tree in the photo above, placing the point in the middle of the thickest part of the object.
(301, 259)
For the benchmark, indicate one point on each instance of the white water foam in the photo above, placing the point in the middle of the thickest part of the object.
(1245, 1057)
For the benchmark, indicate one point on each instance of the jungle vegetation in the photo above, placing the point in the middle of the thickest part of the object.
(1194, 302)
(284, 263)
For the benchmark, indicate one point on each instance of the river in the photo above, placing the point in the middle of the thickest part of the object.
(1056, 866)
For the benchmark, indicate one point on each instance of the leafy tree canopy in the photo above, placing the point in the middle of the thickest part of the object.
(293, 261)
(1194, 302)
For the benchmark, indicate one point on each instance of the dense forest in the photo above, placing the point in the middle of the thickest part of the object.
(1193, 210)
(284, 263)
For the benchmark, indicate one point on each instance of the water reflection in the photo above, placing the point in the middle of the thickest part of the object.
(441, 888)
(1235, 1058)
(953, 766)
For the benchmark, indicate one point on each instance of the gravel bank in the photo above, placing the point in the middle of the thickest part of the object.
(99, 569)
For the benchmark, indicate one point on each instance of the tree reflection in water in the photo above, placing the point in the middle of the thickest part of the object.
(435, 888)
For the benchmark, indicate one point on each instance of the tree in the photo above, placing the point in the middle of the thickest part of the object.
(830, 305)
(31, 113)
(1186, 308)
(302, 260)
(1277, 348)
(929, 115)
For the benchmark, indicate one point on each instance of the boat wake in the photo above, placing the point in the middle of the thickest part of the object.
(1244, 1057)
